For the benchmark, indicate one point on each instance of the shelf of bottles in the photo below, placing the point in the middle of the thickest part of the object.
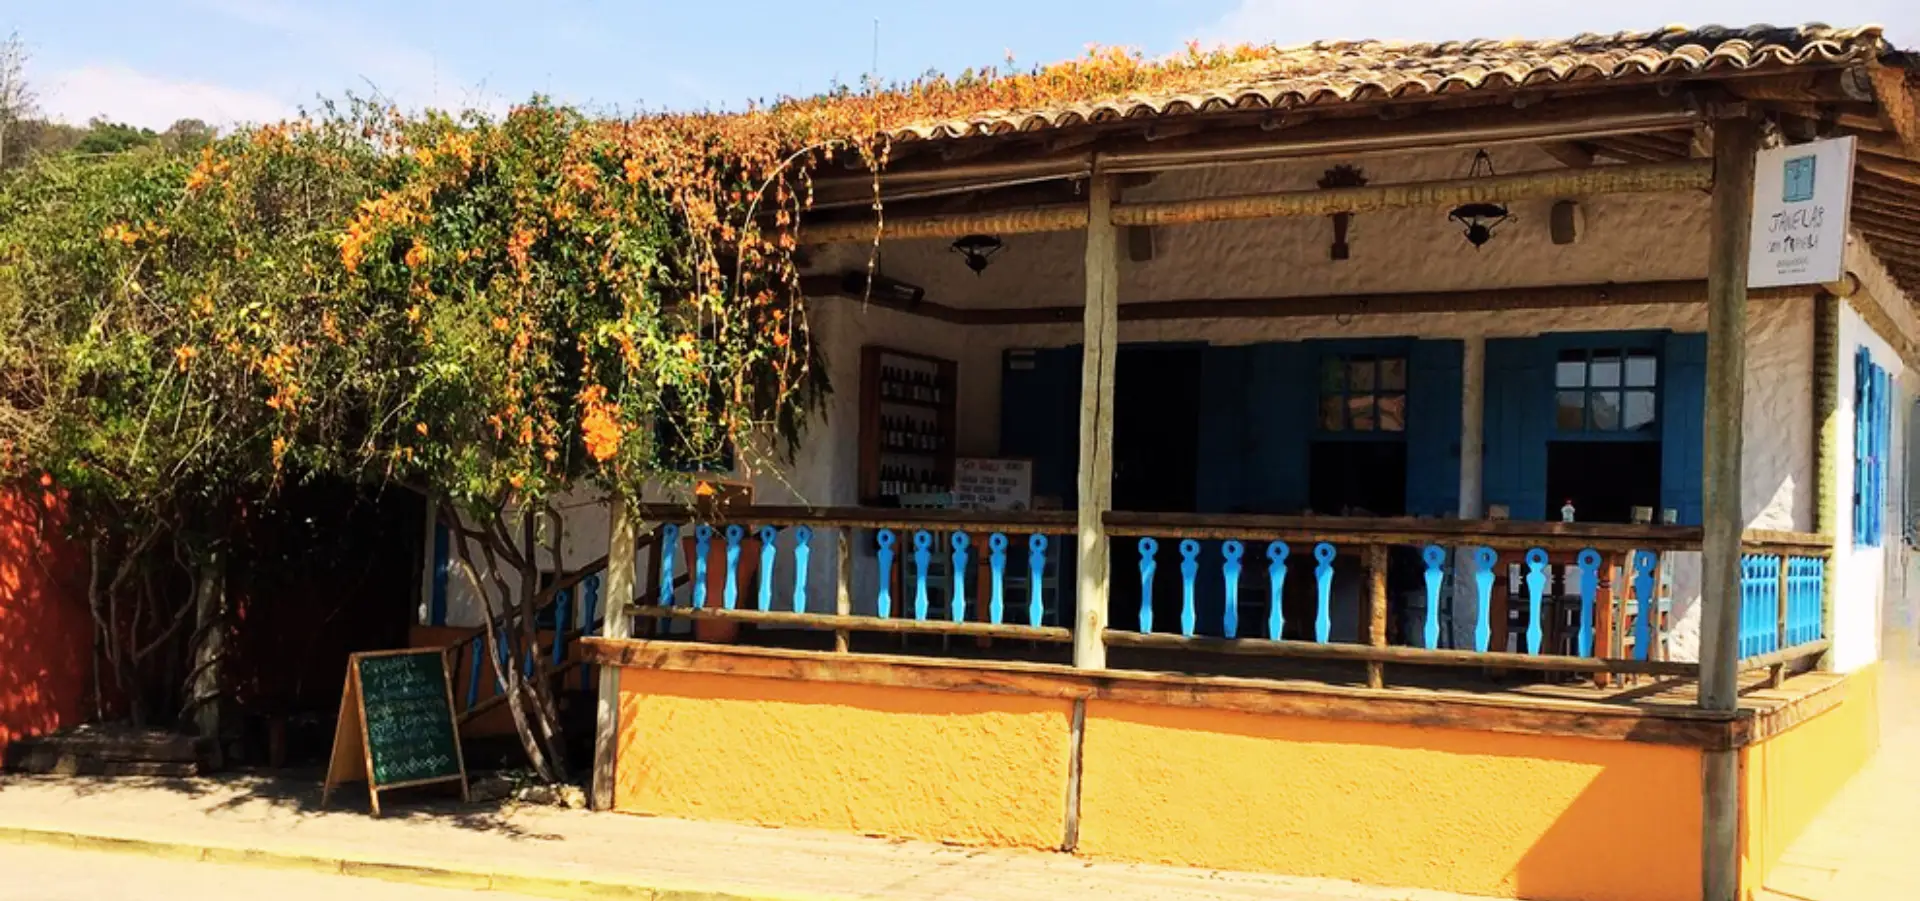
(909, 401)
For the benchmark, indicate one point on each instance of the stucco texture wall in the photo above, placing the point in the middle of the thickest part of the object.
(46, 632)
(1474, 812)
(1788, 778)
(967, 768)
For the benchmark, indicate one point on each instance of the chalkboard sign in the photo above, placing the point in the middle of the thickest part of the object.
(397, 727)
(989, 484)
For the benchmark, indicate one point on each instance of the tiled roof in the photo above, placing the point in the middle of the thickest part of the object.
(1331, 73)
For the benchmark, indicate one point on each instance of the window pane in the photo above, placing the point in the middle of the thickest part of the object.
(1570, 411)
(1606, 369)
(1393, 412)
(1642, 370)
(1332, 375)
(1333, 410)
(1572, 370)
(1393, 374)
(1360, 374)
(1360, 413)
(1639, 410)
(1606, 411)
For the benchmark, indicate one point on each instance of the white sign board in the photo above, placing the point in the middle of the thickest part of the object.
(989, 484)
(1801, 195)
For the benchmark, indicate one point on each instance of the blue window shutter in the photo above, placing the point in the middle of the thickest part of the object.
(1280, 416)
(1433, 428)
(1683, 379)
(1040, 417)
(1518, 411)
(1224, 444)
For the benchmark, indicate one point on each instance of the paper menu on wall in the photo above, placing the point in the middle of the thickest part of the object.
(983, 483)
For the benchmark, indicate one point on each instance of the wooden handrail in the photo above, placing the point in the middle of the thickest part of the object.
(836, 622)
(1049, 522)
(1407, 530)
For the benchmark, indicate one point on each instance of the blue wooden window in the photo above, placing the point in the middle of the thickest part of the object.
(1363, 393)
(1607, 392)
(1872, 439)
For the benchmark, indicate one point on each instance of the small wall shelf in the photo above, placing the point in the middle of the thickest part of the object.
(907, 425)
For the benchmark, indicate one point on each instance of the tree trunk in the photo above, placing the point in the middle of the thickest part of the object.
(210, 638)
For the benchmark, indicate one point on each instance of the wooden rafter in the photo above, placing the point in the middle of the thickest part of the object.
(1899, 99)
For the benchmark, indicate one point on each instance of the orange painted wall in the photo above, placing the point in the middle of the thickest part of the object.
(46, 633)
(1788, 778)
(969, 768)
(1540, 817)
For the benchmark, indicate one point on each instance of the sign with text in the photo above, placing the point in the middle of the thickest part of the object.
(1801, 195)
(397, 728)
(981, 483)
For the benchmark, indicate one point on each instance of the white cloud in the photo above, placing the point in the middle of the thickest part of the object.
(339, 52)
(1296, 22)
(124, 95)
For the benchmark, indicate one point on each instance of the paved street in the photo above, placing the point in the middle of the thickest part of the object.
(47, 874)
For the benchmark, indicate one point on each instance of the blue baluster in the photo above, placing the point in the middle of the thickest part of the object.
(1323, 582)
(1589, 562)
(1230, 571)
(1536, 592)
(959, 605)
(884, 603)
(802, 564)
(730, 595)
(702, 542)
(562, 607)
(1484, 562)
(1436, 559)
(769, 546)
(922, 558)
(669, 545)
(473, 674)
(1643, 563)
(1148, 547)
(997, 559)
(1276, 585)
(1037, 567)
(590, 621)
(1749, 579)
(1189, 568)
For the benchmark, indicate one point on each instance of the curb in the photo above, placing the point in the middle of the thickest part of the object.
(565, 888)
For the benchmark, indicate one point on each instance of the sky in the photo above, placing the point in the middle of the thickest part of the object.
(150, 62)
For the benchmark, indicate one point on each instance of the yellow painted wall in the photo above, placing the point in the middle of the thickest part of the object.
(1788, 778)
(960, 767)
(1478, 812)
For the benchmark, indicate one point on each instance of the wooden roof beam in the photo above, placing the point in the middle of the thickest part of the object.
(1899, 99)
(1571, 154)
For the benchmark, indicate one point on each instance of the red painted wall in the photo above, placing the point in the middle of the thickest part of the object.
(46, 633)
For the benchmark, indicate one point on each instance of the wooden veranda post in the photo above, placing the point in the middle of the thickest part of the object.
(606, 734)
(1735, 142)
(1096, 423)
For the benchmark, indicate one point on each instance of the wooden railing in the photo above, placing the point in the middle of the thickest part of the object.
(1262, 585)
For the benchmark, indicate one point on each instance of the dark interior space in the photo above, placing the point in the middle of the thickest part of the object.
(1156, 458)
(1358, 478)
(1605, 480)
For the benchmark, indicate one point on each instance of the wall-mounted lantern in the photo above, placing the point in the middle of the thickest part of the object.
(978, 249)
(1480, 219)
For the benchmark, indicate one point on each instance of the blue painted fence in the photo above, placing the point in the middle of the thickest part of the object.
(1229, 561)
(1762, 579)
(907, 553)
(588, 611)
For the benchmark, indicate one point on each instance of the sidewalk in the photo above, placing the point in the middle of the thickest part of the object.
(1863, 845)
(574, 854)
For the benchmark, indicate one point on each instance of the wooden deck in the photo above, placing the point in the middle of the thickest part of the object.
(1655, 709)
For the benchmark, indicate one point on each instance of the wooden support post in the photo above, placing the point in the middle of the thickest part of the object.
(1096, 423)
(1735, 142)
(843, 588)
(1828, 506)
(619, 595)
(1777, 675)
(1376, 612)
